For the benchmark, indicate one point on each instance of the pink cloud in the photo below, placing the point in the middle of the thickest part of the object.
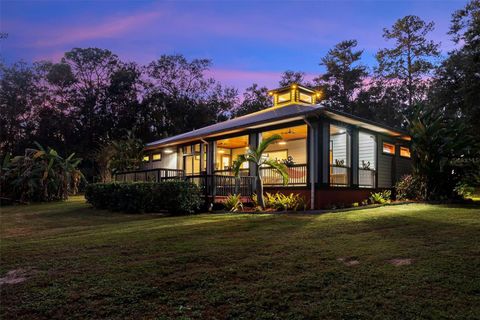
(107, 29)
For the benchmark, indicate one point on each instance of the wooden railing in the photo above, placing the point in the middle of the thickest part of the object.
(152, 175)
(229, 172)
(366, 178)
(339, 176)
(211, 185)
(222, 185)
(297, 176)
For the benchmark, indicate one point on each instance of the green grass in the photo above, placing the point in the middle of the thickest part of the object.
(96, 264)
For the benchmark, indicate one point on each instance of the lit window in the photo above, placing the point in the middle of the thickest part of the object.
(146, 158)
(388, 148)
(157, 157)
(305, 98)
(284, 97)
(405, 152)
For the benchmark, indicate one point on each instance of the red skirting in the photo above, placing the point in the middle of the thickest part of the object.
(325, 198)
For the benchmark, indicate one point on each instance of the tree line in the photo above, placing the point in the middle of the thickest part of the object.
(91, 97)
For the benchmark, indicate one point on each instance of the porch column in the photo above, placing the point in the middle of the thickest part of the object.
(253, 141)
(354, 158)
(313, 152)
(211, 151)
(323, 152)
(202, 150)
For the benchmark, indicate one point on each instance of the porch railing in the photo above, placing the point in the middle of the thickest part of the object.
(339, 176)
(151, 175)
(223, 185)
(366, 178)
(243, 172)
(211, 185)
(297, 176)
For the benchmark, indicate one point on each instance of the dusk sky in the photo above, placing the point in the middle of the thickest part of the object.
(248, 41)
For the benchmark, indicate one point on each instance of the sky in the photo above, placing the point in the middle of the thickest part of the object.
(247, 41)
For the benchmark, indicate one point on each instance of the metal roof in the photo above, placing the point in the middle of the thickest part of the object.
(271, 116)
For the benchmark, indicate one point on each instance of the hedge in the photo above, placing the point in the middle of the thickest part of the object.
(176, 197)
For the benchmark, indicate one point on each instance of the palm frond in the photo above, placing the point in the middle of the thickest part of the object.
(265, 143)
(280, 168)
(237, 164)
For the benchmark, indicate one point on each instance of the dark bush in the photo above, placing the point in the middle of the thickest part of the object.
(176, 197)
(410, 187)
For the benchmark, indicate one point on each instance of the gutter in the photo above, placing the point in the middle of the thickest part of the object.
(311, 165)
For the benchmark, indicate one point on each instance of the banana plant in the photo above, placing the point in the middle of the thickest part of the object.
(258, 159)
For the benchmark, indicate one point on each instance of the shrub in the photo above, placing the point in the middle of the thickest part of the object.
(380, 197)
(409, 188)
(39, 175)
(176, 197)
(254, 198)
(283, 202)
(464, 190)
(233, 203)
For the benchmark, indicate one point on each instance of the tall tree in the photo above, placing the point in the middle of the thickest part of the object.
(255, 98)
(18, 96)
(289, 77)
(93, 69)
(181, 97)
(344, 76)
(456, 87)
(411, 60)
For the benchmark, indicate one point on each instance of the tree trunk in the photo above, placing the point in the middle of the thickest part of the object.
(260, 199)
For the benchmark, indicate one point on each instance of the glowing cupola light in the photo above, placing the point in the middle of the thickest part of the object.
(294, 94)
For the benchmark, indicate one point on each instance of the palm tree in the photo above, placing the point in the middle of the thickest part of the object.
(258, 159)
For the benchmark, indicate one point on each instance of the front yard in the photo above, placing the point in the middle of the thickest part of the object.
(398, 262)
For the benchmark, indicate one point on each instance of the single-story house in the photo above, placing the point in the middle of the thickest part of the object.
(332, 157)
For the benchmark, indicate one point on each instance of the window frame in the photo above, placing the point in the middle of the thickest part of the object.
(388, 153)
(409, 152)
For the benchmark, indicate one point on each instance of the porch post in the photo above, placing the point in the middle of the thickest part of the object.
(202, 150)
(211, 150)
(253, 141)
(323, 152)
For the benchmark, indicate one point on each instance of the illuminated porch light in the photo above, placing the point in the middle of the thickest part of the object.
(221, 151)
(168, 151)
(282, 143)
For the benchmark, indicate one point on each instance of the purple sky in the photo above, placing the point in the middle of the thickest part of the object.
(248, 41)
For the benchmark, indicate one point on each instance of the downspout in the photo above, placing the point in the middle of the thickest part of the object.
(311, 165)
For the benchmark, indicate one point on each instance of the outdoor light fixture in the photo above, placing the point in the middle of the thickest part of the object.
(282, 143)
(168, 151)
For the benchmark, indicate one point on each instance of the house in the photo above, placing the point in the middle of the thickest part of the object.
(332, 157)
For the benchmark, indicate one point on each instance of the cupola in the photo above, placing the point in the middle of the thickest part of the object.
(294, 94)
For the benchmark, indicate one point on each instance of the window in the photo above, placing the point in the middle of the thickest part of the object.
(157, 157)
(284, 97)
(191, 159)
(339, 155)
(367, 148)
(146, 158)
(388, 148)
(405, 152)
(306, 98)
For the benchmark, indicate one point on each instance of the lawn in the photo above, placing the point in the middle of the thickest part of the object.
(83, 263)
